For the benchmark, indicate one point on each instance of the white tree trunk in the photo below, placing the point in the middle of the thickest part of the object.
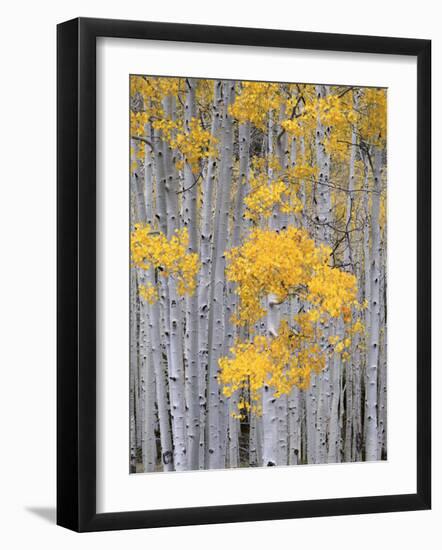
(176, 381)
(204, 278)
(216, 313)
(153, 311)
(323, 219)
(371, 436)
(335, 435)
(283, 430)
(334, 431)
(168, 221)
(269, 408)
(295, 411)
(191, 336)
(382, 399)
(148, 388)
(133, 367)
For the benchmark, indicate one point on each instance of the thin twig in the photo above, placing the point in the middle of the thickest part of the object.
(144, 140)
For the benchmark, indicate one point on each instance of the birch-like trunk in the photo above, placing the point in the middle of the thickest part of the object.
(168, 221)
(349, 404)
(216, 312)
(371, 425)
(154, 319)
(323, 219)
(191, 336)
(382, 386)
(148, 439)
(334, 431)
(270, 418)
(204, 278)
(311, 407)
(231, 331)
(294, 426)
(176, 380)
(323, 198)
(133, 366)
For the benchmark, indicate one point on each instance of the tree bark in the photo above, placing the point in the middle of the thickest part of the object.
(204, 278)
(371, 436)
(216, 312)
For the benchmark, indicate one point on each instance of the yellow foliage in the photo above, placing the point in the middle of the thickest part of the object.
(167, 127)
(358, 327)
(373, 122)
(295, 267)
(137, 122)
(262, 200)
(149, 293)
(170, 257)
(281, 363)
(332, 290)
(194, 144)
(302, 170)
(254, 102)
(153, 90)
(265, 195)
(337, 116)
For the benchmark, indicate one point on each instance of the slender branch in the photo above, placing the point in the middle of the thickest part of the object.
(144, 140)
(190, 186)
(342, 94)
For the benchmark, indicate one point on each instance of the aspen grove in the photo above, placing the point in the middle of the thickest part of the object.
(258, 274)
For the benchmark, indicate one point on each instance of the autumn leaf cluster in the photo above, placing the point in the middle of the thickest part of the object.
(169, 257)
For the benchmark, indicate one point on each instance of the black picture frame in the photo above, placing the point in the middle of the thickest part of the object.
(76, 274)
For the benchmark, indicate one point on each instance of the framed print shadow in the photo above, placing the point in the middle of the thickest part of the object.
(243, 274)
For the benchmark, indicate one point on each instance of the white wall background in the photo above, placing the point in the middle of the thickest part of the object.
(27, 273)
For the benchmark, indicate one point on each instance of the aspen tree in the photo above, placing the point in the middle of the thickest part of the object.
(216, 313)
(204, 282)
(371, 434)
(153, 308)
(191, 338)
(258, 283)
(323, 218)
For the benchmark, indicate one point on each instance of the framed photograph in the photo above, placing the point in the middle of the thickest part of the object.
(243, 274)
